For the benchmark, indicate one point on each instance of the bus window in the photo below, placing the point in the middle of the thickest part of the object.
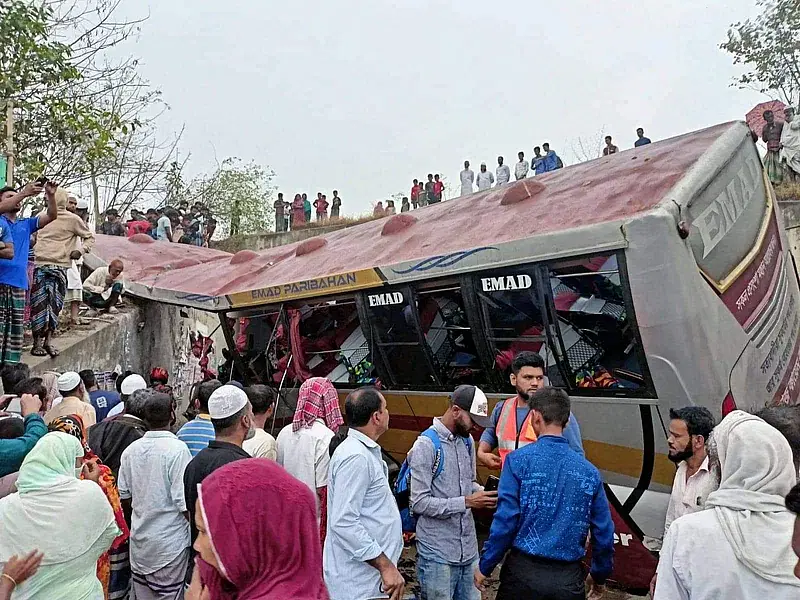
(393, 322)
(263, 346)
(447, 331)
(331, 343)
(511, 310)
(598, 335)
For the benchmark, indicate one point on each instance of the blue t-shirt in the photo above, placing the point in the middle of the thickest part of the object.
(14, 272)
(572, 432)
(103, 401)
(5, 233)
(643, 141)
(197, 433)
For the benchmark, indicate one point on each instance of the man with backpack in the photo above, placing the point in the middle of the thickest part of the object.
(443, 493)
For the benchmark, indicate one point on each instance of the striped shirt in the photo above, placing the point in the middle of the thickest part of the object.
(197, 433)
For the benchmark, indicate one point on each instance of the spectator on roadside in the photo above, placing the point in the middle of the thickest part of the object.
(306, 209)
(321, 204)
(14, 273)
(302, 446)
(438, 188)
(551, 159)
(211, 227)
(404, 206)
(102, 289)
(467, 178)
(280, 206)
(127, 385)
(739, 548)
(151, 486)
(336, 205)
(196, 434)
(785, 419)
(164, 226)
(298, 212)
(503, 172)
(365, 536)
(538, 161)
(15, 446)
(415, 192)
(110, 438)
(609, 148)
(112, 225)
(640, 139)
(522, 167)
(689, 432)
(549, 499)
(72, 391)
(509, 428)
(443, 501)
(379, 211)
(428, 194)
(262, 444)
(138, 223)
(232, 418)
(771, 136)
(11, 375)
(485, 178)
(101, 400)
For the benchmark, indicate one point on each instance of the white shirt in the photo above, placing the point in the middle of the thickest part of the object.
(161, 228)
(689, 496)
(503, 174)
(467, 179)
(261, 445)
(698, 563)
(96, 282)
(151, 474)
(485, 180)
(304, 453)
(521, 170)
(363, 520)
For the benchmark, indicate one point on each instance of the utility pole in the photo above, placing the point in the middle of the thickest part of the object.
(9, 142)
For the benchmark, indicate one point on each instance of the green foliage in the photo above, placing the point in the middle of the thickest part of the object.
(769, 47)
(240, 195)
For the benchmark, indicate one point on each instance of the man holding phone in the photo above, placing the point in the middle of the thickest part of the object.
(443, 500)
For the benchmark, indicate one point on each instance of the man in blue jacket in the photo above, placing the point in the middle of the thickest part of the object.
(549, 499)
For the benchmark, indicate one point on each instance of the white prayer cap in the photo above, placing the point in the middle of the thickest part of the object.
(132, 383)
(68, 381)
(82, 204)
(226, 401)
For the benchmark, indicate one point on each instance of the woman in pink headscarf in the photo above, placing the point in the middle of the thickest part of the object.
(302, 447)
(298, 211)
(274, 555)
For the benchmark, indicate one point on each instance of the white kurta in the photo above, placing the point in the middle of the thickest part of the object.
(503, 174)
(485, 180)
(467, 180)
(790, 139)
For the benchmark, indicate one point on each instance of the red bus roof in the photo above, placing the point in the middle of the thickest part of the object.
(604, 190)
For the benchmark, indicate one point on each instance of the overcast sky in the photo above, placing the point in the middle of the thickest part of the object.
(365, 95)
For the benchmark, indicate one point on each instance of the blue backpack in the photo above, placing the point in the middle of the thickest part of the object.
(402, 485)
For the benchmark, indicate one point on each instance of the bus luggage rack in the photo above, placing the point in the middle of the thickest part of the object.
(581, 354)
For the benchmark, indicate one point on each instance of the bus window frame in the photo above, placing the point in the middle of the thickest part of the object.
(373, 339)
(552, 331)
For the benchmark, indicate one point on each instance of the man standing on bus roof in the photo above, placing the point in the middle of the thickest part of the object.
(510, 427)
(522, 167)
(467, 179)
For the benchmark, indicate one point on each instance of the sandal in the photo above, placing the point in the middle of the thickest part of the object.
(39, 351)
(50, 350)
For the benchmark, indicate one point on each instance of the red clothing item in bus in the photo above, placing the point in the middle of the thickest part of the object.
(135, 227)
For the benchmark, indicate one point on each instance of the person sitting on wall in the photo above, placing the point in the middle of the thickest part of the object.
(101, 289)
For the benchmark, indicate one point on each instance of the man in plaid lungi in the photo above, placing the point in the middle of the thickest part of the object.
(14, 272)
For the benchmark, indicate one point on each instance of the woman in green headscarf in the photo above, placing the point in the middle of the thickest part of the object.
(69, 520)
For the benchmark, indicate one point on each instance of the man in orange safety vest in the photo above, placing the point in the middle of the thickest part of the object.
(511, 419)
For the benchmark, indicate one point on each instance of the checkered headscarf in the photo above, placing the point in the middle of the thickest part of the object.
(317, 400)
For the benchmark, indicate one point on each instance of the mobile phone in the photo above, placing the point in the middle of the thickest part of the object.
(492, 484)
(41, 180)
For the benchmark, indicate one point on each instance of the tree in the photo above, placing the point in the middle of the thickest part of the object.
(587, 148)
(769, 47)
(239, 195)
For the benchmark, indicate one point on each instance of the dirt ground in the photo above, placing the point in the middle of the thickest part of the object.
(408, 569)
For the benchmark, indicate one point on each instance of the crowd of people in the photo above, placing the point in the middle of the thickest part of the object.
(103, 494)
(193, 225)
(41, 271)
(782, 138)
(296, 214)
